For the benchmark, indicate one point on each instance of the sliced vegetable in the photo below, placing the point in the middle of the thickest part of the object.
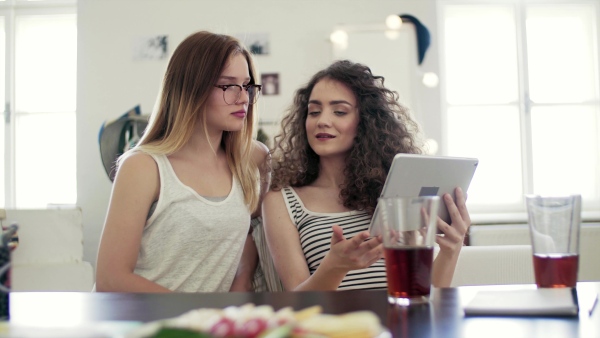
(168, 332)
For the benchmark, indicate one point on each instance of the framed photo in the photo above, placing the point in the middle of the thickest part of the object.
(257, 43)
(270, 83)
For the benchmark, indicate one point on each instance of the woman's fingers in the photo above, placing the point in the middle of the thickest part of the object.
(374, 250)
(379, 251)
(337, 235)
(450, 232)
(452, 209)
(458, 212)
(358, 241)
(454, 234)
(461, 203)
(358, 252)
(370, 252)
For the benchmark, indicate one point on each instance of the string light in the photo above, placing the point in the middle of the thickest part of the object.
(340, 38)
(393, 22)
(430, 80)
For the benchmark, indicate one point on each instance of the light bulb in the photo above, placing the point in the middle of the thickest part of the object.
(393, 21)
(339, 37)
(430, 80)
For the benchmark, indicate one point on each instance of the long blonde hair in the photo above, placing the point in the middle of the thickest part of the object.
(194, 68)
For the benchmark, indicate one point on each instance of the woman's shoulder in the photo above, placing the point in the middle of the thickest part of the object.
(136, 158)
(260, 152)
(138, 162)
(280, 195)
(138, 172)
(272, 196)
(273, 201)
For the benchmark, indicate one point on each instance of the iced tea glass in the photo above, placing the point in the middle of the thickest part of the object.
(408, 228)
(554, 226)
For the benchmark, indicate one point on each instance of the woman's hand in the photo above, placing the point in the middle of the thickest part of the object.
(452, 241)
(352, 254)
(454, 234)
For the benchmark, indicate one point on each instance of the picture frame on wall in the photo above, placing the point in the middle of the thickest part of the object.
(270, 84)
(257, 43)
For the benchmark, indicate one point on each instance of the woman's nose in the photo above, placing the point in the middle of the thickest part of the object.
(244, 97)
(324, 121)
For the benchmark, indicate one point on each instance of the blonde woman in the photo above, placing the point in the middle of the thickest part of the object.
(182, 199)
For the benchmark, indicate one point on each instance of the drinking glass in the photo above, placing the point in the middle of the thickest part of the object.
(408, 226)
(554, 225)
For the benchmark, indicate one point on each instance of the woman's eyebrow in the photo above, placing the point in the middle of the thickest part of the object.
(340, 102)
(333, 103)
(231, 78)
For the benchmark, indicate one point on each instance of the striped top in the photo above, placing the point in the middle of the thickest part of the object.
(315, 233)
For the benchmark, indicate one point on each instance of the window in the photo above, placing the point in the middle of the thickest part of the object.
(38, 85)
(520, 90)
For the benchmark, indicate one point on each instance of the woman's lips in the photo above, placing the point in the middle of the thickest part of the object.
(239, 113)
(324, 136)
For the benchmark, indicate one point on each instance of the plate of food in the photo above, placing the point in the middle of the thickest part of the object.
(251, 321)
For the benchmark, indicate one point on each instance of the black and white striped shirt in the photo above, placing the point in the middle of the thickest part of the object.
(315, 238)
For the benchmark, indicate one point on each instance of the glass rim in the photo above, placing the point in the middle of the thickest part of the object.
(432, 197)
(557, 196)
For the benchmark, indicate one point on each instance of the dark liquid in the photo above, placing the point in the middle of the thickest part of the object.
(408, 271)
(555, 271)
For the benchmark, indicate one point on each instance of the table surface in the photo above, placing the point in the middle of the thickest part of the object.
(443, 317)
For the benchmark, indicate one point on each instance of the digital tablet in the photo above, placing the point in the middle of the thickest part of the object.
(423, 175)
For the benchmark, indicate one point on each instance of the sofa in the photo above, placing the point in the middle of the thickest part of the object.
(501, 254)
(49, 254)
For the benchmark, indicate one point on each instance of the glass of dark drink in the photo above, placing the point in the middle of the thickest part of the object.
(408, 228)
(554, 226)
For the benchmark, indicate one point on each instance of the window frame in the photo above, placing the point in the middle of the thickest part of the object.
(492, 214)
(9, 10)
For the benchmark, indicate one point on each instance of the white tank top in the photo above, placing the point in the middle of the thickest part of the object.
(189, 243)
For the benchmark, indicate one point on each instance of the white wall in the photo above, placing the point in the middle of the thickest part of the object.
(110, 82)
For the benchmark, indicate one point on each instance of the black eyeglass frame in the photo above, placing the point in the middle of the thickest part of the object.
(251, 100)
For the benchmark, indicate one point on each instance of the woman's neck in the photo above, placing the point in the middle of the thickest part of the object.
(199, 143)
(331, 172)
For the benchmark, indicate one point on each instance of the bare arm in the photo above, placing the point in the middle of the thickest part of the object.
(135, 187)
(284, 244)
(452, 241)
(245, 272)
(249, 260)
(262, 160)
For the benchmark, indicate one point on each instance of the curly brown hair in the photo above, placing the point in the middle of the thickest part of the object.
(385, 128)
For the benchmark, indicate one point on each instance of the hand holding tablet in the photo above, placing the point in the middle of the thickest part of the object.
(423, 175)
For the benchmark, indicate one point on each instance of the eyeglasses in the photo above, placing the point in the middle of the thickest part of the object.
(232, 92)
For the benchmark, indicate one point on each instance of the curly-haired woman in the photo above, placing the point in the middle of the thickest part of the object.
(329, 165)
